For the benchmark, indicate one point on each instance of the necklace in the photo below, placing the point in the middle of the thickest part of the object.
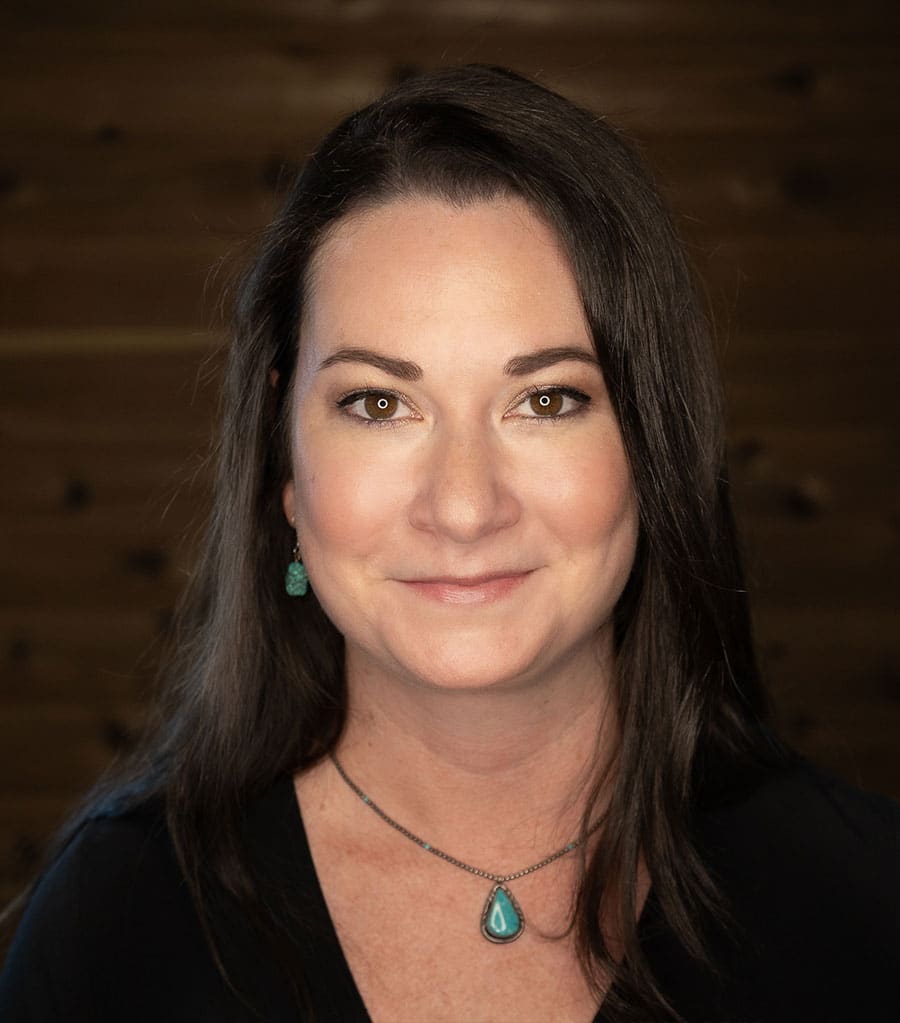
(502, 919)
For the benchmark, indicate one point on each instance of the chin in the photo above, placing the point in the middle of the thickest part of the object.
(447, 670)
(474, 682)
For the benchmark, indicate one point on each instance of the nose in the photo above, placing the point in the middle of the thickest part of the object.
(463, 494)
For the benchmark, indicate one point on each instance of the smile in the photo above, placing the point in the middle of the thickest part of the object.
(477, 590)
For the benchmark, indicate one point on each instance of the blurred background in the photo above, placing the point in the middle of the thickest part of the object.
(143, 143)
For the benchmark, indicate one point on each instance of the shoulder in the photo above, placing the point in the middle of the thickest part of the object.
(113, 860)
(101, 905)
(111, 932)
(810, 868)
(113, 866)
(809, 825)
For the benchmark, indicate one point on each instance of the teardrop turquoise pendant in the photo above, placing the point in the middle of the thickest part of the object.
(501, 919)
(296, 580)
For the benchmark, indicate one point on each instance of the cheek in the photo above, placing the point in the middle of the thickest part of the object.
(344, 500)
(590, 498)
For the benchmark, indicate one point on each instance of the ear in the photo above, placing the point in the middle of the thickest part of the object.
(287, 502)
(273, 378)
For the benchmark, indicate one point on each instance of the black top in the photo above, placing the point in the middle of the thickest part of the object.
(809, 864)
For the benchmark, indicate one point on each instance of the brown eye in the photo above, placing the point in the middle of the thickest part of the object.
(380, 406)
(546, 403)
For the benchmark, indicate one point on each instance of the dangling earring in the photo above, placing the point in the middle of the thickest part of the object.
(296, 579)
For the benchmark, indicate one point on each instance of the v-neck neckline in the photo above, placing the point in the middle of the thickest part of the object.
(329, 975)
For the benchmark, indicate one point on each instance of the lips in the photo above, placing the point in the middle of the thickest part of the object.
(481, 589)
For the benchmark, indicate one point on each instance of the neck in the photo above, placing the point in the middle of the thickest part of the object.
(497, 771)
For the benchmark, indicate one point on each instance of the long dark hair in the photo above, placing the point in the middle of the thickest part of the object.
(255, 682)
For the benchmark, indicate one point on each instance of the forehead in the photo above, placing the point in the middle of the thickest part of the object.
(421, 267)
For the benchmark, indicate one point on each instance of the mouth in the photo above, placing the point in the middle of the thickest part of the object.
(483, 589)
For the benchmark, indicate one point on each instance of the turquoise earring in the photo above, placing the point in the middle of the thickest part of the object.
(296, 579)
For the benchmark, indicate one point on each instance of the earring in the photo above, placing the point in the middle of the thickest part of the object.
(296, 579)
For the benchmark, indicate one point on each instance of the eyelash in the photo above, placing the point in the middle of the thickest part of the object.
(567, 392)
(345, 402)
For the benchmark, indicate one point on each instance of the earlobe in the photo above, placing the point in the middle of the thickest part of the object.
(287, 501)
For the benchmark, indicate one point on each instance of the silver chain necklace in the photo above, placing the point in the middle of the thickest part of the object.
(502, 919)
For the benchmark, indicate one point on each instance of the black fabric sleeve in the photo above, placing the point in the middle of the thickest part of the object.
(111, 934)
(810, 869)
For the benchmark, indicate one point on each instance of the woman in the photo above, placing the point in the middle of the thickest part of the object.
(494, 747)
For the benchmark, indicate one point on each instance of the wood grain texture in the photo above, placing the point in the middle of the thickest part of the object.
(144, 143)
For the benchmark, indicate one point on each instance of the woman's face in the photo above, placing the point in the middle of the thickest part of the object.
(460, 490)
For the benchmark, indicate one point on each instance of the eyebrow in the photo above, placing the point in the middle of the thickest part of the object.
(400, 368)
(518, 366)
(522, 365)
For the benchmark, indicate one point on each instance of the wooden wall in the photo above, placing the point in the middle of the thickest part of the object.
(143, 142)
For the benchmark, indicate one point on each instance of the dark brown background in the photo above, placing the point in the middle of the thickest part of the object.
(142, 142)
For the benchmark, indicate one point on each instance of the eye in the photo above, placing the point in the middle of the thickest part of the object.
(550, 403)
(372, 406)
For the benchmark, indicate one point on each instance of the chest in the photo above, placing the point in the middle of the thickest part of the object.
(412, 938)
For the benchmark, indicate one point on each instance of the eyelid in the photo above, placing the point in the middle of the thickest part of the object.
(349, 398)
(344, 402)
(570, 392)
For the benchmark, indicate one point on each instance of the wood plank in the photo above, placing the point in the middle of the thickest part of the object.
(81, 652)
(255, 82)
(26, 343)
(839, 282)
(688, 18)
(768, 457)
(141, 281)
(58, 750)
(807, 183)
(110, 399)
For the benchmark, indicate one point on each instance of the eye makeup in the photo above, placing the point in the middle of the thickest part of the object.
(549, 403)
(379, 406)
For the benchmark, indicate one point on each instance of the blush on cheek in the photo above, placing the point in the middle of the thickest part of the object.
(345, 507)
(587, 497)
